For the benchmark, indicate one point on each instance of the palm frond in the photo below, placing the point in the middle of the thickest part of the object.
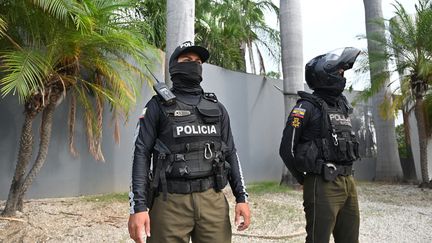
(60, 9)
(3, 27)
(25, 72)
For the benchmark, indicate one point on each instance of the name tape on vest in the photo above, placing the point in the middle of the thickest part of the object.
(340, 119)
(195, 130)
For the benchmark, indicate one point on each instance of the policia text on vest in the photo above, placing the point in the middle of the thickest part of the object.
(203, 130)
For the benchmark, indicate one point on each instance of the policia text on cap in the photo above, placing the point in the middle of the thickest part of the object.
(189, 144)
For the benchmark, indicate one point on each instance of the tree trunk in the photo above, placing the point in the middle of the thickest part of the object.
(242, 66)
(180, 28)
(421, 128)
(292, 60)
(387, 163)
(408, 164)
(410, 171)
(24, 156)
(45, 137)
(251, 57)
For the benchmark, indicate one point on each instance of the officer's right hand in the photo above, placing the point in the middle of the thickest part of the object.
(135, 226)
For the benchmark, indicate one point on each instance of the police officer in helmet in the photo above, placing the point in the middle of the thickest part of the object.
(187, 145)
(319, 147)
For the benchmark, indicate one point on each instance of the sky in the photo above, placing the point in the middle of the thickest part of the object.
(332, 24)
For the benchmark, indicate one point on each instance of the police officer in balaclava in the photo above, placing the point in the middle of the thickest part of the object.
(319, 147)
(187, 142)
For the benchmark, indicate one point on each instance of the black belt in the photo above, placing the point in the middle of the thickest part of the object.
(344, 170)
(190, 186)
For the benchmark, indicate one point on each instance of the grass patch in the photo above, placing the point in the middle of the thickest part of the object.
(108, 198)
(267, 187)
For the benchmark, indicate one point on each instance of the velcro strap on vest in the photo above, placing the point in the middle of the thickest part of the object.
(189, 186)
(192, 146)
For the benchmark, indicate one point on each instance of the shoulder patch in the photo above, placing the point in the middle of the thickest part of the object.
(298, 112)
(296, 122)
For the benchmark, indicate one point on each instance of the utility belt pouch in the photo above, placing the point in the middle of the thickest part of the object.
(221, 171)
(330, 172)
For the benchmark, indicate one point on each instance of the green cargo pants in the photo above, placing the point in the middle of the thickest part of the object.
(331, 207)
(200, 216)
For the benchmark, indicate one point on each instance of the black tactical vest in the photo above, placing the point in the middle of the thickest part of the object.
(338, 143)
(192, 137)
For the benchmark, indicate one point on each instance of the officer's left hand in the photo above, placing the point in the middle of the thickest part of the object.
(242, 210)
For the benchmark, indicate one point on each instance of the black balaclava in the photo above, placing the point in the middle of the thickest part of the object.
(186, 76)
(333, 86)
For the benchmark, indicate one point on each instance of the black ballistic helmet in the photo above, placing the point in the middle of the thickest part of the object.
(185, 47)
(322, 72)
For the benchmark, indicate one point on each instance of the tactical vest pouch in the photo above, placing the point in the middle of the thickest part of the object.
(306, 158)
(210, 112)
(347, 149)
(355, 146)
(342, 151)
(350, 152)
(222, 170)
(189, 166)
(342, 145)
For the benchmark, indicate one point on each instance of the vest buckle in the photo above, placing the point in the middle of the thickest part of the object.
(335, 139)
(208, 154)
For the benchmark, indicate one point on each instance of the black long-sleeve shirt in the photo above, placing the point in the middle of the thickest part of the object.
(303, 124)
(145, 136)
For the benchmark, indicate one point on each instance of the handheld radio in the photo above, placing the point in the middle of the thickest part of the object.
(162, 90)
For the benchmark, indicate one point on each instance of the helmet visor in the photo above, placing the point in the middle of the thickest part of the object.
(342, 58)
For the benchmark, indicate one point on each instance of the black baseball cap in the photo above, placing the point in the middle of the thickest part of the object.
(188, 46)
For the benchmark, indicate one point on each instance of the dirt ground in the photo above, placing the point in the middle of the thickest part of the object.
(390, 213)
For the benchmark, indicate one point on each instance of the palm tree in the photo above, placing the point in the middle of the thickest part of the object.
(292, 59)
(410, 46)
(388, 163)
(230, 28)
(152, 15)
(227, 28)
(50, 49)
